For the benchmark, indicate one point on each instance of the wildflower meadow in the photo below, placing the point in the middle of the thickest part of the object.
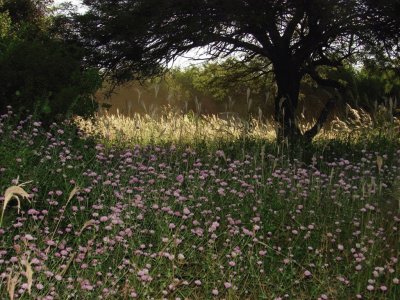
(87, 213)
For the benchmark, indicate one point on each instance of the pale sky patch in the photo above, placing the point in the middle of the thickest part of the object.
(190, 58)
(77, 3)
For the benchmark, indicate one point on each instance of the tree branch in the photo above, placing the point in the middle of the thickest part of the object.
(329, 105)
(323, 81)
(309, 134)
(291, 27)
(241, 44)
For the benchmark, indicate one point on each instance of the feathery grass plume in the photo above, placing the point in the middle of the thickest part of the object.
(156, 89)
(394, 193)
(13, 192)
(172, 127)
(260, 114)
(379, 163)
(28, 274)
(74, 191)
(71, 259)
(72, 194)
(86, 225)
(11, 284)
(398, 197)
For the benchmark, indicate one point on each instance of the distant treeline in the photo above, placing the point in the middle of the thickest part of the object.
(40, 72)
(228, 87)
(45, 73)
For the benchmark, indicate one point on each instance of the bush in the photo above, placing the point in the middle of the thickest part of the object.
(43, 74)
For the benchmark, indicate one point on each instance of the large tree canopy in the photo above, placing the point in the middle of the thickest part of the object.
(134, 38)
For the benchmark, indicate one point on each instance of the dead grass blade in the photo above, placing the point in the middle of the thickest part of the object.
(29, 275)
(62, 273)
(74, 191)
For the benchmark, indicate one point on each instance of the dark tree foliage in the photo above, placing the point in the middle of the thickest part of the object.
(26, 11)
(39, 72)
(44, 76)
(134, 38)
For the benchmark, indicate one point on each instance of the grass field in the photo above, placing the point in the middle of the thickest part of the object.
(196, 208)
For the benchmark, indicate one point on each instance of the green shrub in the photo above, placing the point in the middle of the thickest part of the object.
(40, 72)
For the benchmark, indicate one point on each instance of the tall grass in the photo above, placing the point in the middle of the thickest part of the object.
(173, 127)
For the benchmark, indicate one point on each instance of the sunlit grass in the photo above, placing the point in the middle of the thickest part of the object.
(191, 128)
(173, 127)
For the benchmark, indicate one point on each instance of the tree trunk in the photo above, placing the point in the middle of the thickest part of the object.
(288, 78)
(288, 82)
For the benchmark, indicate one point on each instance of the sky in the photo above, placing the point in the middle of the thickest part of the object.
(78, 3)
(181, 62)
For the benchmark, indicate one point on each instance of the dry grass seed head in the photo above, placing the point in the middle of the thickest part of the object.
(87, 224)
(379, 163)
(13, 192)
(74, 191)
(28, 274)
(11, 284)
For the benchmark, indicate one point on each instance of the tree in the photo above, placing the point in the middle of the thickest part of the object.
(131, 39)
(26, 11)
(40, 72)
